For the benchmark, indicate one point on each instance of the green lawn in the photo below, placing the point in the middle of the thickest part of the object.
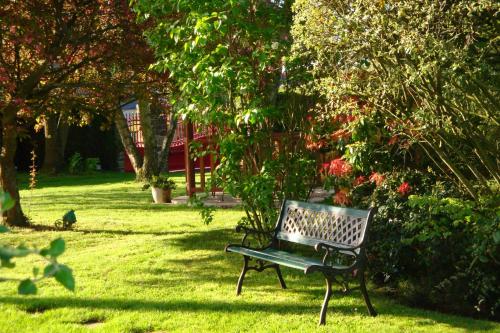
(141, 267)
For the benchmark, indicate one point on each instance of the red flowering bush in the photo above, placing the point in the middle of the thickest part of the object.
(339, 168)
(359, 180)
(377, 178)
(341, 197)
(404, 189)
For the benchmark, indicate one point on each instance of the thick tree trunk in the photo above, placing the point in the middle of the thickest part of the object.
(62, 137)
(51, 163)
(128, 143)
(150, 165)
(56, 131)
(167, 141)
(8, 182)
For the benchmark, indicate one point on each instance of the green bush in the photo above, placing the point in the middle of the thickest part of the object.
(443, 251)
(76, 164)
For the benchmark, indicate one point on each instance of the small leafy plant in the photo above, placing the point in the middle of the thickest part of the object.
(76, 164)
(162, 182)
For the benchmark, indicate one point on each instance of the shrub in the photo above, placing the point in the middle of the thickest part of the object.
(163, 182)
(76, 164)
(443, 250)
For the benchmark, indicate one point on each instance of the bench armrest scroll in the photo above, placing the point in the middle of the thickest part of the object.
(328, 248)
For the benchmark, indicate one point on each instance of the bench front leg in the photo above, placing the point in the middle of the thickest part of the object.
(242, 275)
(280, 277)
(328, 294)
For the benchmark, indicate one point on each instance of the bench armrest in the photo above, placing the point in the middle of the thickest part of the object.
(348, 250)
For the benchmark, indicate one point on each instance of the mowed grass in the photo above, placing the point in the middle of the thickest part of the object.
(141, 267)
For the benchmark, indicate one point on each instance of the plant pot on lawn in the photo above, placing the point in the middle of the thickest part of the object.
(161, 195)
(161, 188)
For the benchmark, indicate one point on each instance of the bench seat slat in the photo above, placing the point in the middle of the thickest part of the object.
(282, 258)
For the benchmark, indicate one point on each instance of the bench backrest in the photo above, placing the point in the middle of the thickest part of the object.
(307, 223)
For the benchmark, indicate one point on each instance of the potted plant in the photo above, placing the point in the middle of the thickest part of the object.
(161, 188)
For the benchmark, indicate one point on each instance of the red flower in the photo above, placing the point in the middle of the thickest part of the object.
(393, 140)
(377, 178)
(404, 189)
(340, 118)
(340, 134)
(339, 168)
(324, 167)
(341, 197)
(359, 180)
(351, 118)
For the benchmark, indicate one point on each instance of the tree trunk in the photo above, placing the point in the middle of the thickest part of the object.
(167, 141)
(51, 161)
(62, 136)
(56, 131)
(128, 143)
(150, 165)
(8, 182)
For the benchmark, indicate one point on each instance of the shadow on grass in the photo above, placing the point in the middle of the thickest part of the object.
(98, 178)
(112, 200)
(47, 303)
(48, 228)
(207, 240)
(130, 232)
(238, 306)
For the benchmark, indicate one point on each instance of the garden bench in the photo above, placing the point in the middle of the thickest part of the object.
(334, 232)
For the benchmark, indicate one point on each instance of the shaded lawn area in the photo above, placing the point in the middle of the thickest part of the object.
(141, 267)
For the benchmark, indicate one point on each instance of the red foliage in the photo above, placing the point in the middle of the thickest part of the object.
(339, 168)
(404, 189)
(377, 178)
(341, 197)
(313, 145)
(393, 140)
(359, 180)
(340, 134)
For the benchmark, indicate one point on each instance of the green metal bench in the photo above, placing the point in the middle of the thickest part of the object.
(333, 232)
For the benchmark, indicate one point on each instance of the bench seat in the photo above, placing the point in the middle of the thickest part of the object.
(284, 258)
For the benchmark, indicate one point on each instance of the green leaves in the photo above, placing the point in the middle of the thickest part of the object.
(27, 287)
(496, 237)
(3, 229)
(8, 252)
(64, 275)
(57, 247)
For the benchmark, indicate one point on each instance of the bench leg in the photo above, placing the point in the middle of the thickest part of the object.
(280, 277)
(362, 286)
(242, 276)
(328, 294)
